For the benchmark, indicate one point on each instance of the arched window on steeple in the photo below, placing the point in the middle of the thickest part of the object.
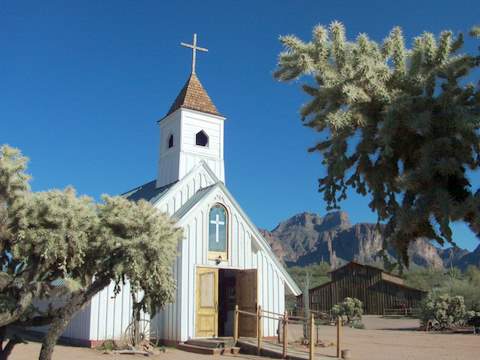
(201, 139)
(170, 141)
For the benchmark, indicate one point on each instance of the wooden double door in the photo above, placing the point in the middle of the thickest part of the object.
(207, 301)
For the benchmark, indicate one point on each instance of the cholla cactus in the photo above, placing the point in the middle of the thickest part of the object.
(443, 311)
(56, 237)
(398, 124)
(351, 308)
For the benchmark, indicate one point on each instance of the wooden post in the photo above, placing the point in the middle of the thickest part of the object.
(339, 333)
(259, 330)
(235, 325)
(285, 334)
(311, 340)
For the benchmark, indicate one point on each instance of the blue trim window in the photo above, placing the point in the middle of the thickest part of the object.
(217, 230)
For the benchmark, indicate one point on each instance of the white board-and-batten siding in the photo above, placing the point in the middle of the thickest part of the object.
(107, 316)
(177, 161)
(111, 314)
(177, 321)
(79, 326)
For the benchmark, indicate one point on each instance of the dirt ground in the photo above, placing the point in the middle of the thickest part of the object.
(397, 339)
(382, 339)
(31, 351)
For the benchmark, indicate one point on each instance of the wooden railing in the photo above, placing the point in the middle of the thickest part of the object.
(400, 312)
(285, 320)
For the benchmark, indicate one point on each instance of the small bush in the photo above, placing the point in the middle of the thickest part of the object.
(357, 324)
(350, 308)
(108, 345)
(444, 311)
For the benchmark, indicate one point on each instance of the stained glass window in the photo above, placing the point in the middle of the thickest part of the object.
(217, 226)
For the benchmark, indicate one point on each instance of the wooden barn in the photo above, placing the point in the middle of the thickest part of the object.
(379, 291)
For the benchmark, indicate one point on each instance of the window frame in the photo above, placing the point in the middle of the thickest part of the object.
(206, 135)
(219, 255)
(172, 138)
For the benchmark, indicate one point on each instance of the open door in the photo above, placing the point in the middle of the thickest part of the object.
(246, 293)
(207, 303)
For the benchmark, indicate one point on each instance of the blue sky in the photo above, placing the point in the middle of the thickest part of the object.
(82, 85)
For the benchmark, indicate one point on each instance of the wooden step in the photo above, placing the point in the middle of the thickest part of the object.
(208, 350)
(200, 349)
(208, 343)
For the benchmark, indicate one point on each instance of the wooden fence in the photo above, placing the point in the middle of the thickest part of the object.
(286, 319)
(407, 311)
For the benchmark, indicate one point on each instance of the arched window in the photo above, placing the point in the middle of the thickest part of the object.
(170, 141)
(217, 232)
(201, 139)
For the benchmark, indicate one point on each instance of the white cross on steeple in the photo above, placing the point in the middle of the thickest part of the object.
(217, 224)
(194, 48)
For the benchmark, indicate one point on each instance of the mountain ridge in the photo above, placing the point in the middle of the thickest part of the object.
(307, 238)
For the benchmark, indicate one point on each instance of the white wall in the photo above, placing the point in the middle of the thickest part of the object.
(169, 158)
(191, 154)
(177, 321)
(184, 190)
(78, 328)
(110, 315)
(106, 317)
(184, 124)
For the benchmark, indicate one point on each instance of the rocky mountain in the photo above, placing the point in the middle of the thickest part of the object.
(472, 258)
(452, 256)
(308, 238)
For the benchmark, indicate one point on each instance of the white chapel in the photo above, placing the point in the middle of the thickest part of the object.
(222, 260)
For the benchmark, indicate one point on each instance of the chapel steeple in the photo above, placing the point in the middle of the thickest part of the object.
(194, 97)
(191, 131)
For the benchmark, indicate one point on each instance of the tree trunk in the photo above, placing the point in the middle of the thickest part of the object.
(136, 321)
(6, 350)
(57, 327)
(65, 314)
(23, 303)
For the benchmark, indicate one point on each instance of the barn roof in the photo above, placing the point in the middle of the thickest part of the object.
(383, 280)
(356, 263)
(390, 278)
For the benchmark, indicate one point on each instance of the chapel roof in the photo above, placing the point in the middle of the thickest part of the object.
(193, 96)
(148, 192)
(199, 195)
(151, 193)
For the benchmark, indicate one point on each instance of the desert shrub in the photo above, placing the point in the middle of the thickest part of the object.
(451, 282)
(108, 345)
(357, 324)
(425, 278)
(349, 308)
(443, 310)
(466, 289)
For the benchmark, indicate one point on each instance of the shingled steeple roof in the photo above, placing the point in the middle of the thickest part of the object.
(194, 97)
